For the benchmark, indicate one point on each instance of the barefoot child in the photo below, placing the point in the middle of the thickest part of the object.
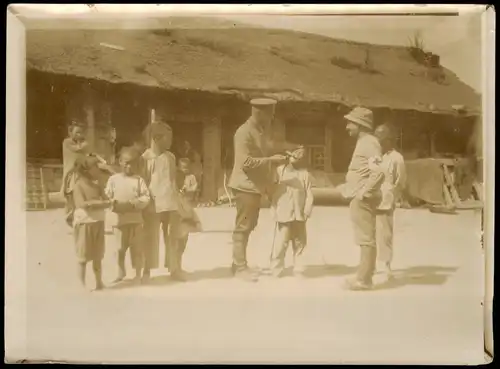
(292, 203)
(88, 219)
(187, 221)
(129, 195)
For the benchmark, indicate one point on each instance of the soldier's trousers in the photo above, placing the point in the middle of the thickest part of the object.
(363, 217)
(247, 216)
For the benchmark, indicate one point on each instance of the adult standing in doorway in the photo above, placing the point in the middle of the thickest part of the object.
(252, 178)
(362, 188)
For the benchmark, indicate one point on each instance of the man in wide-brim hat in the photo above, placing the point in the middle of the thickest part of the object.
(252, 178)
(362, 188)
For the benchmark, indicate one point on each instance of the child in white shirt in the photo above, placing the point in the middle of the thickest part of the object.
(292, 202)
(129, 195)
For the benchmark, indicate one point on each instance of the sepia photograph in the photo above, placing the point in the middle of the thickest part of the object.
(249, 184)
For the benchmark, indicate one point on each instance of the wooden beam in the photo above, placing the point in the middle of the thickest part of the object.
(328, 146)
(450, 183)
(212, 135)
(432, 143)
(89, 117)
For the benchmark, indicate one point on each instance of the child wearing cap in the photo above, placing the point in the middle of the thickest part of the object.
(88, 219)
(130, 195)
(292, 203)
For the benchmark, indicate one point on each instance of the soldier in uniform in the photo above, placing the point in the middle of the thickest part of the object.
(254, 154)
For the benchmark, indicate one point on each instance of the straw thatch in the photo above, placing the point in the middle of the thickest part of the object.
(293, 65)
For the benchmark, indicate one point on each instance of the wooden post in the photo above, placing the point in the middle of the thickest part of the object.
(89, 117)
(432, 143)
(212, 134)
(328, 146)
(147, 131)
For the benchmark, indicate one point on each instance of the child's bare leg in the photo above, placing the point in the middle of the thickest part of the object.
(149, 241)
(299, 241)
(97, 267)
(121, 266)
(121, 234)
(282, 239)
(181, 247)
(165, 219)
(82, 268)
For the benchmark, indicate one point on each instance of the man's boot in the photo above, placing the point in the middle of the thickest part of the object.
(240, 269)
(366, 269)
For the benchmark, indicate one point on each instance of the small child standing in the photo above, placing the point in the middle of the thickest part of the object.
(292, 202)
(187, 183)
(186, 221)
(129, 195)
(89, 203)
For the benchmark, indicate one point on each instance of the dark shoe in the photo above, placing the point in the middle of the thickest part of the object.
(246, 275)
(354, 284)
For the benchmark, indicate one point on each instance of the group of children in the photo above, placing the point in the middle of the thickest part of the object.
(154, 190)
(151, 190)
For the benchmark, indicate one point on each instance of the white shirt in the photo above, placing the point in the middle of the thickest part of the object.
(393, 167)
(160, 172)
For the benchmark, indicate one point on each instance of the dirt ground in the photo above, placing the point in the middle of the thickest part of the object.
(431, 313)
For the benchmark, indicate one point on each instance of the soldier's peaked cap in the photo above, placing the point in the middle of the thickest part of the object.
(263, 103)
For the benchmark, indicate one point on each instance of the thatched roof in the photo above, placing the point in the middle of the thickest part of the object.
(295, 65)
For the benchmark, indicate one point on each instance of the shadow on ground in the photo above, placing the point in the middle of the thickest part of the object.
(328, 270)
(216, 273)
(164, 280)
(418, 275)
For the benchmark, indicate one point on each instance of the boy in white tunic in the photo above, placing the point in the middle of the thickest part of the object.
(159, 172)
(393, 167)
(130, 196)
(292, 203)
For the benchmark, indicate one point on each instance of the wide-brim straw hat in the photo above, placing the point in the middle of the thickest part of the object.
(361, 116)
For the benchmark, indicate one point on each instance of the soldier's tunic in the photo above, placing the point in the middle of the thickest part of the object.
(250, 179)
